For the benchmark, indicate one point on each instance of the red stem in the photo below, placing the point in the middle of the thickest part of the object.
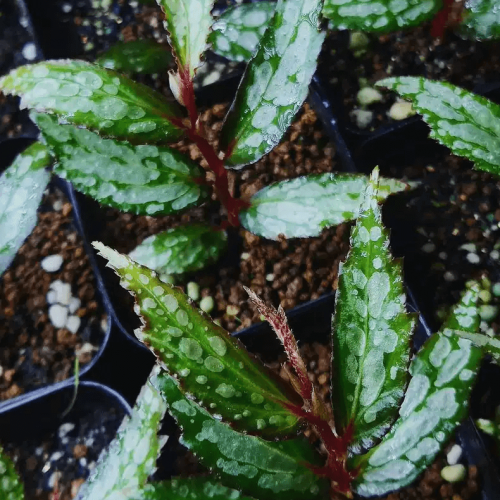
(440, 21)
(233, 205)
(336, 446)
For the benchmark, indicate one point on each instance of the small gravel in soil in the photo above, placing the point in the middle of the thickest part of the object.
(46, 318)
(283, 272)
(63, 459)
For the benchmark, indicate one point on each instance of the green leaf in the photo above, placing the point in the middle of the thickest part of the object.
(182, 249)
(466, 123)
(138, 56)
(481, 19)
(87, 95)
(188, 24)
(11, 487)
(275, 83)
(304, 206)
(141, 179)
(21, 190)
(489, 345)
(124, 468)
(437, 400)
(371, 331)
(380, 16)
(192, 488)
(212, 365)
(264, 469)
(237, 32)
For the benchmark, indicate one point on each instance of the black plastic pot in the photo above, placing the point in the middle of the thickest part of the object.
(25, 425)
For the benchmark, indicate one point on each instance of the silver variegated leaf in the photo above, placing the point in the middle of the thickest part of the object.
(188, 24)
(237, 32)
(437, 400)
(267, 470)
(192, 488)
(124, 468)
(21, 190)
(213, 367)
(466, 123)
(371, 331)
(90, 96)
(182, 249)
(275, 83)
(303, 207)
(143, 179)
(380, 16)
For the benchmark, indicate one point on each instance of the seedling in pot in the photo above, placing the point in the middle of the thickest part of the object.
(379, 432)
(107, 135)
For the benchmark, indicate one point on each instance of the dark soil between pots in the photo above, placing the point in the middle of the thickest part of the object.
(62, 460)
(414, 52)
(34, 349)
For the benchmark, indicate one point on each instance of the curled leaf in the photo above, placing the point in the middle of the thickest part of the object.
(182, 249)
(212, 366)
(87, 95)
(143, 179)
(21, 190)
(303, 207)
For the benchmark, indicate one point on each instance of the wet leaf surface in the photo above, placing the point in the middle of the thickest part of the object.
(437, 400)
(275, 83)
(304, 206)
(182, 249)
(237, 32)
(380, 16)
(267, 470)
(481, 19)
(144, 179)
(466, 123)
(137, 56)
(212, 366)
(123, 469)
(371, 331)
(21, 190)
(87, 95)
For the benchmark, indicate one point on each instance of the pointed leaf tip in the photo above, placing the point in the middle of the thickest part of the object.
(371, 329)
(267, 470)
(213, 366)
(305, 206)
(437, 400)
